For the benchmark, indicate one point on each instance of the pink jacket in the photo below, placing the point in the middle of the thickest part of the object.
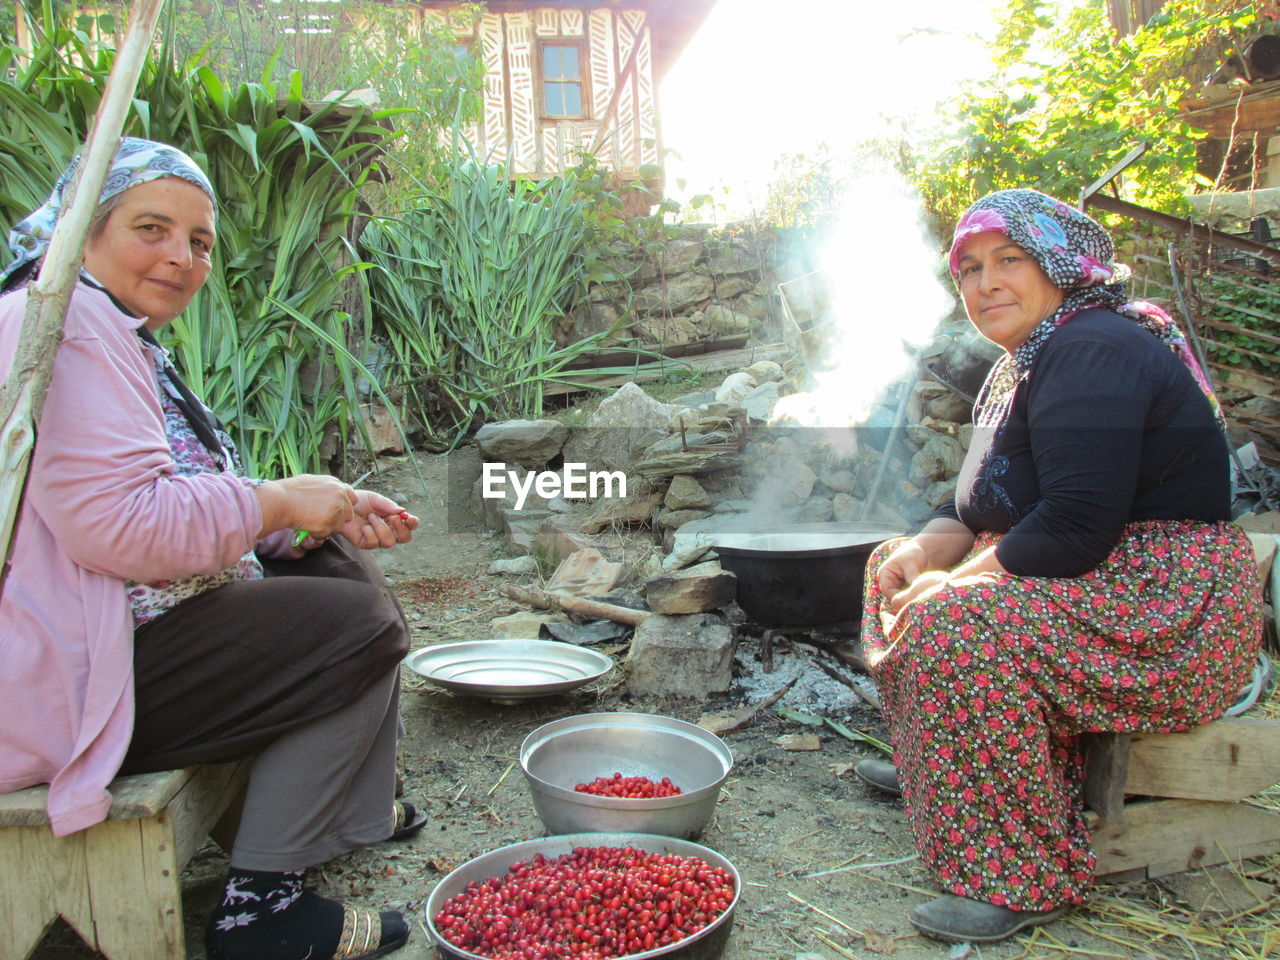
(102, 505)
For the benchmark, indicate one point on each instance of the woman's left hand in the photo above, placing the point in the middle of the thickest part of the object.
(379, 522)
(922, 585)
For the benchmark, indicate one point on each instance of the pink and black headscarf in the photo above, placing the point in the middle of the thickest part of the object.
(1077, 256)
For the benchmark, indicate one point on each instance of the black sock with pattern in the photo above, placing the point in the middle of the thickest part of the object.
(266, 915)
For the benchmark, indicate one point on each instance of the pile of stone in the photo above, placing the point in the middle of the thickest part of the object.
(701, 465)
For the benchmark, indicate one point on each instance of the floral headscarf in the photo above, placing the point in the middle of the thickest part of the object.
(136, 161)
(1077, 256)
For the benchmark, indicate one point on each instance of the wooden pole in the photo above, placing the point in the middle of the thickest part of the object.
(23, 392)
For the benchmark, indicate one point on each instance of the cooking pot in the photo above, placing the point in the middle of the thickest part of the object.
(802, 574)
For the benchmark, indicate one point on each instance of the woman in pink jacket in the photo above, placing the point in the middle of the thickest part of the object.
(156, 613)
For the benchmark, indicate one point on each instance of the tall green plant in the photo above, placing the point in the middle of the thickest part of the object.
(469, 288)
(288, 174)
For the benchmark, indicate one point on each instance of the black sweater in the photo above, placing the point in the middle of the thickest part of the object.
(1108, 428)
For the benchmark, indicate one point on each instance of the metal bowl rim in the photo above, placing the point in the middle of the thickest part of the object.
(623, 718)
(568, 841)
(594, 659)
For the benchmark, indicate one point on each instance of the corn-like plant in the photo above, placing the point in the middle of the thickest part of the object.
(288, 175)
(468, 289)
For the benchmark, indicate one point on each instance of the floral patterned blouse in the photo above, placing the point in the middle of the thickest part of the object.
(149, 600)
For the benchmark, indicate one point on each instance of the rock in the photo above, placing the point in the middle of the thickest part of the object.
(673, 295)
(585, 573)
(625, 419)
(523, 626)
(761, 401)
(838, 480)
(753, 305)
(697, 589)
(844, 508)
(494, 510)
(693, 400)
(679, 256)
(789, 480)
(814, 510)
(950, 406)
(726, 257)
(522, 534)
(690, 461)
(686, 493)
(558, 537)
(530, 443)
(939, 492)
(939, 459)
(631, 510)
(384, 435)
(675, 519)
(734, 388)
(696, 537)
(680, 656)
(559, 505)
(730, 287)
(514, 566)
(765, 371)
(722, 321)
(669, 330)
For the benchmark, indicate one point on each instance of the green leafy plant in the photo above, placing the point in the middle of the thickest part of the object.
(468, 289)
(288, 174)
(1068, 97)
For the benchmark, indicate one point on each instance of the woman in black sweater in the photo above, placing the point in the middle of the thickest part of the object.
(1085, 578)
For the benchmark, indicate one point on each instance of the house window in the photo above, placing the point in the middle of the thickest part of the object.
(562, 80)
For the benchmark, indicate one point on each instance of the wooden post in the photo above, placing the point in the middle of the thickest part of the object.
(22, 394)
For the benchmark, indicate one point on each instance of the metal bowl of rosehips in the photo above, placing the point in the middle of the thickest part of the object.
(625, 773)
(587, 895)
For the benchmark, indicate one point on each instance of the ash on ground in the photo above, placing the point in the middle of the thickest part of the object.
(814, 690)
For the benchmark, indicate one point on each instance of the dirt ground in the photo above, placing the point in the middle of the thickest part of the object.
(788, 820)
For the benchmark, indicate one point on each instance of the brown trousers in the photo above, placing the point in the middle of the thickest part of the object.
(301, 669)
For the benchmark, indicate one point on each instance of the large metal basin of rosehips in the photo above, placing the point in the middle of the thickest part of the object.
(592, 896)
(624, 773)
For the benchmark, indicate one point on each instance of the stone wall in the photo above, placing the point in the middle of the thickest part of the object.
(698, 284)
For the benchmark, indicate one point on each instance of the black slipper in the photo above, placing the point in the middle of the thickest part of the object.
(409, 820)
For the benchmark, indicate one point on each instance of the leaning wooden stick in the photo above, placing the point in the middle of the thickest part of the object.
(23, 391)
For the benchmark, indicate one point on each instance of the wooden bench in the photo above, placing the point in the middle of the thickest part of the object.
(116, 883)
(1164, 803)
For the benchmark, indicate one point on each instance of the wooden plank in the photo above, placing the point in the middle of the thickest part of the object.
(1170, 836)
(134, 892)
(142, 795)
(1233, 328)
(41, 874)
(201, 802)
(1227, 760)
(708, 363)
(613, 358)
(1106, 766)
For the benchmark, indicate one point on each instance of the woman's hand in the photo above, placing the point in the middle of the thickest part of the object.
(902, 567)
(378, 522)
(925, 583)
(318, 504)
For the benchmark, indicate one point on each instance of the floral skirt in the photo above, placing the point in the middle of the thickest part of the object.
(987, 685)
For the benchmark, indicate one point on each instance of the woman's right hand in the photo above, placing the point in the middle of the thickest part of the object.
(901, 568)
(319, 504)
